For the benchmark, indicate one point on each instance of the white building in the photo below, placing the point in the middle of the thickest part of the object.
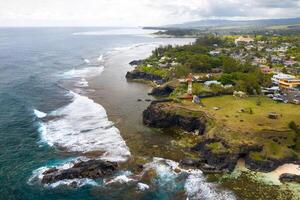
(277, 77)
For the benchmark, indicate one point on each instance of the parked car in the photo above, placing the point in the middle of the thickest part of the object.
(277, 99)
(296, 101)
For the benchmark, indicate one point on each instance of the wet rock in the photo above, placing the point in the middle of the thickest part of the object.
(89, 169)
(289, 178)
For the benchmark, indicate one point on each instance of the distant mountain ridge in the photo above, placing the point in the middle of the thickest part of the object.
(223, 22)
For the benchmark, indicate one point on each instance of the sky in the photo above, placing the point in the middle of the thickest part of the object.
(138, 12)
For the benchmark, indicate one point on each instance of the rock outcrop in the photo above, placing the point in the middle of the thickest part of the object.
(267, 164)
(136, 62)
(89, 169)
(217, 156)
(289, 178)
(162, 115)
(135, 74)
(162, 91)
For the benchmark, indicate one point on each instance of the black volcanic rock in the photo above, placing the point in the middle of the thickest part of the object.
(136, 62)
(289, 178)
(89, 169)
(158, 115)
(222, 160)
(143, 75)
(162, 91)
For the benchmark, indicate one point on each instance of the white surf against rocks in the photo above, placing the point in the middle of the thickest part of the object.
(196, 187)
(83, 126)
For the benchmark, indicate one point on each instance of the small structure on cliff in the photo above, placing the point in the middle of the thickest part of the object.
(190, 85)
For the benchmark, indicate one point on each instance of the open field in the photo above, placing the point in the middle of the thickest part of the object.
(245, 121)
(249, 114)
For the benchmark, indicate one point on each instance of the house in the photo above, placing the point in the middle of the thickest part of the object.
(265, 69)
(215, 53)
(295, 70)
(208, 83)
(289, 63)
(289, 83)
(243, 40)
(260, 60)
(277, 77)
(276, 59)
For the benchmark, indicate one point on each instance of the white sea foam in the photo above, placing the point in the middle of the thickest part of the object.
(70, 182)
(84, 73)
(197, 188)
(195, 185)
(39, 114)
(82, 83)
(120, 179)
(143, 186)
(82, 126)
(100, 58)
(37, 175)
(87, 61)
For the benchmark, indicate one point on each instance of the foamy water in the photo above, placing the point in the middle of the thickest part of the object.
(39, 114)
(84, 73)
(83, 126)
(37, 175)
(196, 186)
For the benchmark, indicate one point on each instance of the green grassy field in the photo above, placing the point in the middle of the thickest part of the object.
(245, 121)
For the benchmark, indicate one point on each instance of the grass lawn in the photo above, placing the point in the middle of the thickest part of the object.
(254, 118)
(252, 125)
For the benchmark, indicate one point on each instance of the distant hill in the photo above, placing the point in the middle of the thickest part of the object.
(220, 22)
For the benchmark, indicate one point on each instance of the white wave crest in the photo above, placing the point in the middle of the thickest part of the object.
(83, 126)
(87, 61)
(83, 73)
(143, 186)
(100, 58)
(39, 114)
(82, 83)
(196, 188)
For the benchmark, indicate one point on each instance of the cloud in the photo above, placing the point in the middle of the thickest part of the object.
(137, 12)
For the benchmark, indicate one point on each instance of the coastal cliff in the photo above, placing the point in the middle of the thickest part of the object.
(217, 149)
(162, 115)
(138, 75)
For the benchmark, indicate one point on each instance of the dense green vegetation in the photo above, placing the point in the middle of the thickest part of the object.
(196, 58)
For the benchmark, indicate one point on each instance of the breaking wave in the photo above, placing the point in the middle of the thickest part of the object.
(83, 73)
(169, 175)
(37, 175)
(39, 114)
(83, 126)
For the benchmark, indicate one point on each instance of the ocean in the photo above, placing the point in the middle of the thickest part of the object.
(63, 93)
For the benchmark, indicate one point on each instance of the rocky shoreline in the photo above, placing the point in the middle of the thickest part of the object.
(92, 169)
(161, 114)
(138, 75)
